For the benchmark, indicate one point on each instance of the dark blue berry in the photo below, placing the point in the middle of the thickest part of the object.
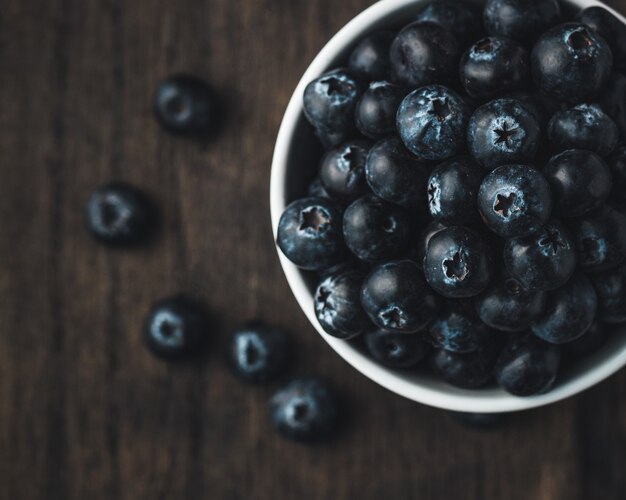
(424, 240)
(310, 233)
(528, 366)
(330, 102)
(601, 239)
(584, 126)
(375, 230)
(432, 121)
(458, 263)
(507, 306)
(617, 163)
(611, 29)
(424, 53)
(611, 289)
(453, 190)
(502, 132)
(569, 312)
(338, 304)
(258, 353)
(613, 101)
(342, 170)
(515, 200)
(457, 328)
(175, 327)
(371, 56)
(394, 175)
(494, 65)
(396, 297)
(186, 105)
(466, 370)
(377, 108)
(396, 350)
(580, 182)
(119, 214)
(305, 409)
(544, 260)
(457, 17)
(571, 63)
(522, 20)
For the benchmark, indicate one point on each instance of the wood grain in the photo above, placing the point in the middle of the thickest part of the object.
(85, 411)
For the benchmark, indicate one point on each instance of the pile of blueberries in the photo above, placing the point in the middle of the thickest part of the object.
(120, 215)
(469, 214)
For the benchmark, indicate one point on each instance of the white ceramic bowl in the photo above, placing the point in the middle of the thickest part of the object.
(295, 157)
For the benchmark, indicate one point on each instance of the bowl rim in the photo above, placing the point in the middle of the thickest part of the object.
(489, 400)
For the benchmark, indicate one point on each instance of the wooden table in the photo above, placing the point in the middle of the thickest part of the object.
(85, 411)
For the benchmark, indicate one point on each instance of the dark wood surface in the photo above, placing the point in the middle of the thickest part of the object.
(85, 411)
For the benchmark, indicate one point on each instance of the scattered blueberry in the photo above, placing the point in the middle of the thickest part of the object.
(457, 17)
(310, 233)
(424, 53)
(515, 200)
(377, 108)
(396, 176)
(371, 56)
(527, 366)
(522, 20)
(432, 121)
(493, 66)
(610, 287)
(506, 305)
(119, 214)
(186, 105)
(396, 350)
(305, 409)
(396, 297)
(175, 327)
(611, 29)
(468, 370)
(571, 63)
(502, 132)
(458, 263)
(453, 190)
(457, 328)
(342, 170)
(258, 353)
(544, 260)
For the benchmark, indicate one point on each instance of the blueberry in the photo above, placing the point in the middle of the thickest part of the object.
(394, 175)
(522, 20)
(617, 163)
(457, 17)
(424, 239)
(601, 239)
(457, 328)
(507, 306)
(375, 230)
(371, 56)
(503, 131)
(543, 261)
(175, 327)
(613, 101)
(310, 233)
(396, 350)
(317, 190)
(453, 190)
(528, 366)
(580, 182)
(432, 122)
(611, 29)
(571, 63)
(494, 65)
(588, 343)
(338, 304)
(468, 370)
(258, 353)
(479, 420)
(330, 102)
(377, 108)
(458, 263)
(584, 126)
(569, 312)
(611, 289)
(305, 409)
(515, 200)
(396, 297)
(119, 214)
(342, 170)
(424, 53)
(186, 105)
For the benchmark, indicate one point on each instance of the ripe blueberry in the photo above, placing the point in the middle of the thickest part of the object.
(522, 20)
(457, 17)
(468, 370)
(371, 56)
(258, 353)
(342, 170)
(458, 329)
(396, 350)
(377, 108)
(611, 289)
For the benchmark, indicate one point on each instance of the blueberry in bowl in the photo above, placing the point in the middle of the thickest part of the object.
(467, 330)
